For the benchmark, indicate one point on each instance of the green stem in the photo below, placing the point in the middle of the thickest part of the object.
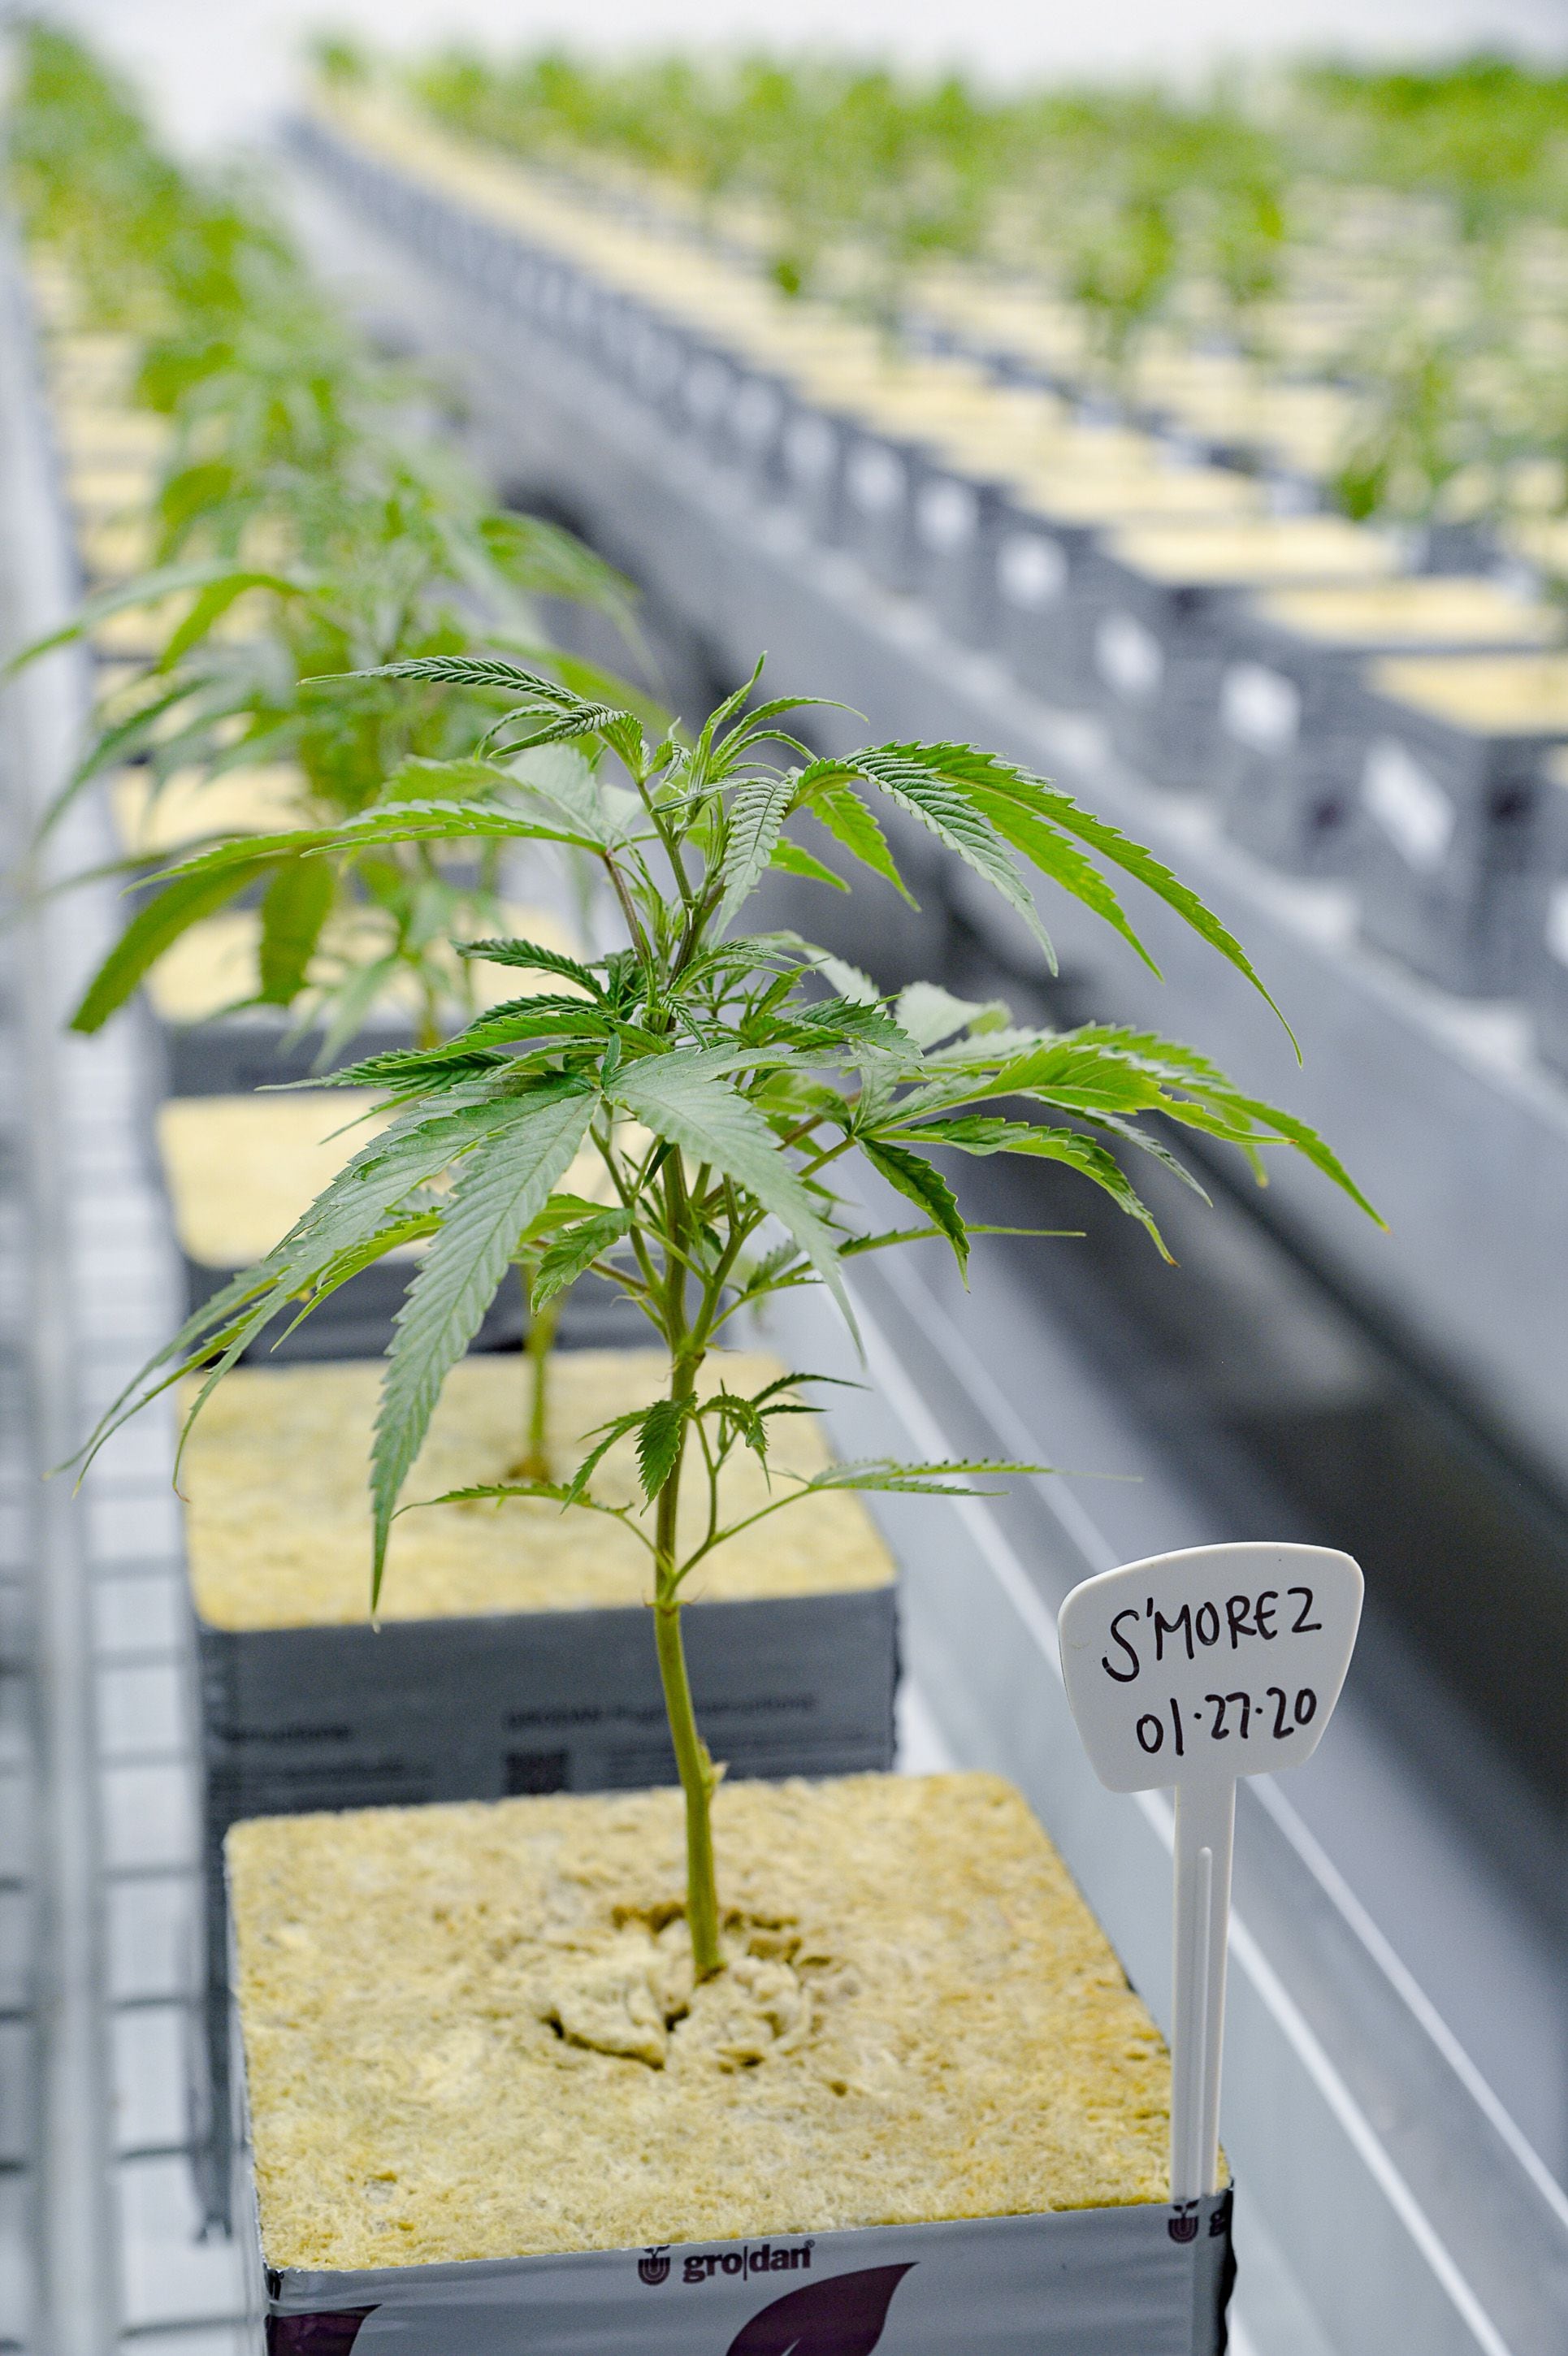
(543, 1325)
(698, 1780)
(692, 1761)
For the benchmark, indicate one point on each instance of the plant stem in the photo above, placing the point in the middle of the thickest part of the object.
(694, 1764)
(537, 1346)
(697, 1781)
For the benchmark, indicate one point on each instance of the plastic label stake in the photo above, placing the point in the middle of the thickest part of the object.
(1191, 1669)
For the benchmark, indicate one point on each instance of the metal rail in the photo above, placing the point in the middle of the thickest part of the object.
(74, 2287)
(115, 2248)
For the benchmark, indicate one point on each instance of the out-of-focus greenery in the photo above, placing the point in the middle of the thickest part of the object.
(1488, 136)
(1409, 207)
(303, 523)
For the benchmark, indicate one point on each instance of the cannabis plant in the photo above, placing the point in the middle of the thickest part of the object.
(1418, 433)
(303, 529)
(302, 526)
(1121, 269)
(148, 243)
(397, 559)
(725, 1079)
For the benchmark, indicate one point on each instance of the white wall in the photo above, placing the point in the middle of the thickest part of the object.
(220, 66)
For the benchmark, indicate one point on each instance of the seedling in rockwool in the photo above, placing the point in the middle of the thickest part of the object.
(723, 1079)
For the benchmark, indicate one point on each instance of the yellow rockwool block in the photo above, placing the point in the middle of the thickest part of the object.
(1262, 549)
(1075, 487)
(277, 1528)
(1501, 695)
(106, 436)
(189, 805)
(214, 964)
(241, 1170)
(1381, 613)
(111, 489)
(470, 2031)
(116, 552)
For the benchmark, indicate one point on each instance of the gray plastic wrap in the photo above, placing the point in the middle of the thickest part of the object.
(1141, 2281)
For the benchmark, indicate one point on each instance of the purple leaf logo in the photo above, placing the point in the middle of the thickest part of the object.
(1182, 2224)
(842, 2316)
(315, 2335)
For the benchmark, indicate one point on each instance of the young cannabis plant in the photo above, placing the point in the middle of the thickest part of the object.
(389, 556)
(724, 1078)
(303, 526)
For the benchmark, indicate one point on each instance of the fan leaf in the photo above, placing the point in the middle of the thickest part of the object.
(688, 1099)
(498, 1193)
(755, 814)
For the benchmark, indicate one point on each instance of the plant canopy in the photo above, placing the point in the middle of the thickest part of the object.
(725, 1079)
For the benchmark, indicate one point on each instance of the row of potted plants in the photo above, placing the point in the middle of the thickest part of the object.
(1351, 719)
(376, 546)
(591, 2065)
(1185, 258)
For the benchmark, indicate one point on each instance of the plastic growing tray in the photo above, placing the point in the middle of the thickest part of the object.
(1291, 725)
(1448, 855)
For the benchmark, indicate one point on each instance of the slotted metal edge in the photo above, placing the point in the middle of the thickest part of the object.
(116, 2251)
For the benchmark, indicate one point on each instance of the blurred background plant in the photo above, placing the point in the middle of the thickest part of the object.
(304, 522)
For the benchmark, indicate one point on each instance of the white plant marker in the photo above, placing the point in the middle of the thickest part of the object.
(1191, 1669)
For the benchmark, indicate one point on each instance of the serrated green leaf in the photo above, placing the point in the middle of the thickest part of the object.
(609, 1433)
(931, 782)
(920, 1184)
(470, 670)
(790, 857)
(841, 810)
(848, 981)
(540, 1017)
(535, 959)
(415, 1226)
(575, 1248)
(498, 1192)
(1045, 800)
(934, 1479)
(416, 1147)
(1059, 860)
(984, 1134)
(659, 1439)
(930, 1015)
(567, 728)
(1308, 1143)
(687, 1099)
(404, 1069)
(755, 816)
